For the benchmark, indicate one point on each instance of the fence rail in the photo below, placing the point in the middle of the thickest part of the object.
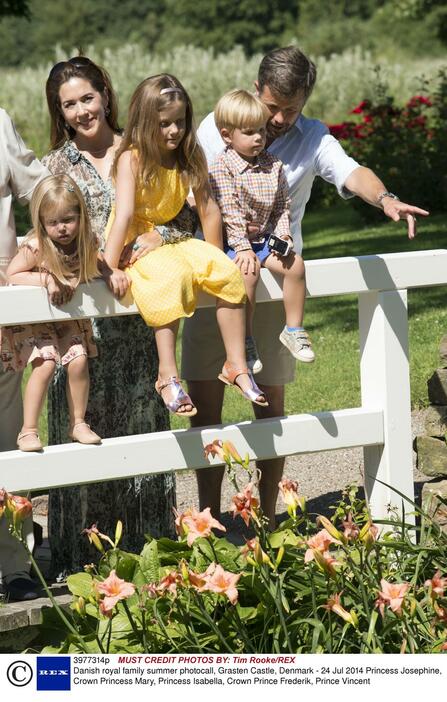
(382, 425)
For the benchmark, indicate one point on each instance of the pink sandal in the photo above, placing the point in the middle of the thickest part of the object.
(180, 397)
(230, 375)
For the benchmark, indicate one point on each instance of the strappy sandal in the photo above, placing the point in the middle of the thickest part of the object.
(180, 397)
(82, 433)
(29, 441)
(230, 375)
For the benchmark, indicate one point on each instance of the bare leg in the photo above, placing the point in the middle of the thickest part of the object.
(250, 282)
(35, 393)
(294, 285)
(207, 396)
(78, 385)
(231, 321)
(272, 469)
(165, 338)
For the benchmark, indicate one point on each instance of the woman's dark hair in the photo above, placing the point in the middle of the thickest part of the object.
(99, 79)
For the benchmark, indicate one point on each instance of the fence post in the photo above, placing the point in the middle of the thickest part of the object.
(385, 384)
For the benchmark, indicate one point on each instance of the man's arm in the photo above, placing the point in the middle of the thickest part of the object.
(364, 183)
(25, 170)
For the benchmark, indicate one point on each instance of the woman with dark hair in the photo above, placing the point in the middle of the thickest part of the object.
(84, 137)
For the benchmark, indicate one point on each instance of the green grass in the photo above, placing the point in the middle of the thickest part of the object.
(333, 382)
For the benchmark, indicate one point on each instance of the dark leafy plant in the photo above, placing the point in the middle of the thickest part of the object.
(403, 145)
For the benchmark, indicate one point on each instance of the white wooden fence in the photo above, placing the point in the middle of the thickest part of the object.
(382, 425)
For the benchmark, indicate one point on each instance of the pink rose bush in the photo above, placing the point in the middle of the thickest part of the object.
(392, 138)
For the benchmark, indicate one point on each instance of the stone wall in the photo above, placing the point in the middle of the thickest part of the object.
(431, 448)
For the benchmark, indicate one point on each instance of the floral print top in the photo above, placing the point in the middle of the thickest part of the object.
(99, 194)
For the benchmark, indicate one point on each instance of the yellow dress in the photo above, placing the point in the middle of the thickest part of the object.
(166, 282)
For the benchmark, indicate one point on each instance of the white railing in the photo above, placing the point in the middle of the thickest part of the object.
(382, 425)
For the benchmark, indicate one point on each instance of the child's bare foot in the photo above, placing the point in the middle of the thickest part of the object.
(175, 398)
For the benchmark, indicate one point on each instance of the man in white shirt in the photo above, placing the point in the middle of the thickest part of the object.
(20, 171)
(285, 80)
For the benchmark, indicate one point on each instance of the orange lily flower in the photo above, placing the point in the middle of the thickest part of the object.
(17, 507)
(391, 594)
(289, 494)
(436, 584)
(320, 542)
(334, 604)
(214, 449)
(223, 582)
(350, 528)
(114, 589)
(245, 504)
(199, 524)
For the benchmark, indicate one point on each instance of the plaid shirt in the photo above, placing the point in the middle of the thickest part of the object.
(250, 192)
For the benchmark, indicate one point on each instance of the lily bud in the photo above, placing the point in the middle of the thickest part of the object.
(261, 556)
(94, 539)
(331, 529)
(231, 452)
(79, 606)
(368, 534)
(184, 570)
(280, 555)
(118, 532)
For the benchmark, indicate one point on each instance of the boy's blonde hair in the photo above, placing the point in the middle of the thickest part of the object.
(240, 109)
(152, 96)
(57, 193)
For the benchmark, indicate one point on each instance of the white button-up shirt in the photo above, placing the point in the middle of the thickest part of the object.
(306, 150)
(20, 171)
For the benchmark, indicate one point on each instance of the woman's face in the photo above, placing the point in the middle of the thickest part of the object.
(83, 107)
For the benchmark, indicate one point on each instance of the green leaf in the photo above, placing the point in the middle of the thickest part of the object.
(80, 584)
(246, 613)
(150, 562)
(126, 566)
(283, 538)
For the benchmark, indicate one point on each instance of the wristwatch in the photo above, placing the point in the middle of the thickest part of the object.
(386, 194)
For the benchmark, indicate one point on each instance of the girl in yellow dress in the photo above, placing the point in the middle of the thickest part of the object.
(158, 161)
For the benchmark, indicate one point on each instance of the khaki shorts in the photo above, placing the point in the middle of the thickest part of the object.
(203, 353)
(11, 413)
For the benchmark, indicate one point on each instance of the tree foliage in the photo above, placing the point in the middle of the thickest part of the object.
(17, 8)
(34, 31)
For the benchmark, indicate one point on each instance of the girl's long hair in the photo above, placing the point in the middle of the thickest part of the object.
(142, 131)
(59, 193)
(99, 79)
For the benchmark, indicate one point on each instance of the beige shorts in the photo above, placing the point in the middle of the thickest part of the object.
(203, 353)
(11, 413)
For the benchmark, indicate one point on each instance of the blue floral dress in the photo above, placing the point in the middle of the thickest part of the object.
(122, 401)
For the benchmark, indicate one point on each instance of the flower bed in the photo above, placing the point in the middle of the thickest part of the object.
(315, 585)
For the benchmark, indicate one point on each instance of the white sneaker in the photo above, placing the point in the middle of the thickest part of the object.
(254, 363)
(299, 344)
